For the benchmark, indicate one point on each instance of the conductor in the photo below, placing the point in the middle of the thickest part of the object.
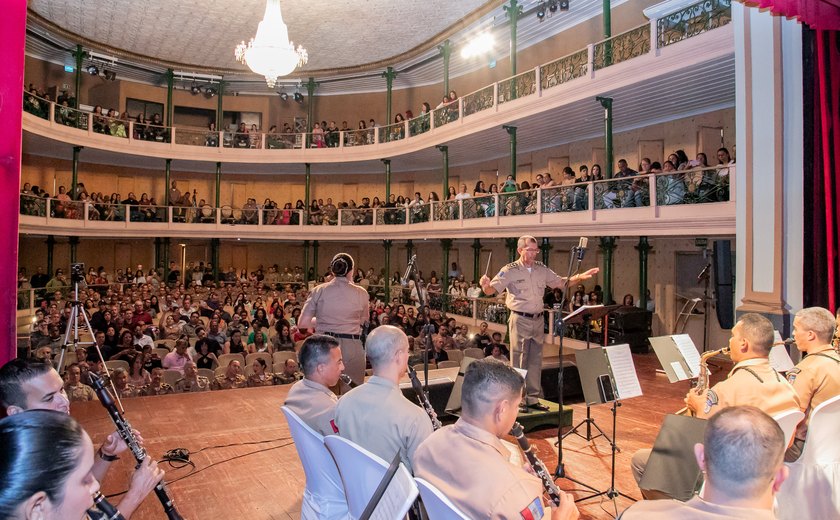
(340, 309)
(525, 281)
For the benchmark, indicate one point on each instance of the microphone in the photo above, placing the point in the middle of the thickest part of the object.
(581, 248)
(408, 268)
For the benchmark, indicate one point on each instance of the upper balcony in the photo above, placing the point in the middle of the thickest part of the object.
(689, 202)
(678, 64)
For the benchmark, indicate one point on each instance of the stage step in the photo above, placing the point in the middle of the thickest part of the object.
(537, 419)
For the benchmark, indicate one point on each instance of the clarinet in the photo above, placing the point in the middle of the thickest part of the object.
(422, 399)
(347, 381)
(106, 508)
(539, 468)
(127, 434)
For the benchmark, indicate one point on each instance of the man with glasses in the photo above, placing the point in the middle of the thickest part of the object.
(525, 281)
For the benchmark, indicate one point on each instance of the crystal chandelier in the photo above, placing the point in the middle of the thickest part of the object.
(270, 53)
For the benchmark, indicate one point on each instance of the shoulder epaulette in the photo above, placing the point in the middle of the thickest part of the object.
(512, 265)
(539, 263)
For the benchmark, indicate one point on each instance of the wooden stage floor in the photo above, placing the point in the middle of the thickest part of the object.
(247, 465)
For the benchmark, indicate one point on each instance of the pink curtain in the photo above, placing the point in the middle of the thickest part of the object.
(818, 14)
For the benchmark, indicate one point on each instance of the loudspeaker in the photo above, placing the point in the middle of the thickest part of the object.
(724, 292)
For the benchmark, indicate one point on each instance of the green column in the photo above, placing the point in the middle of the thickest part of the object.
(75, 167)
(79, 54)
(476, 259)
(514, 11)
(445, 151)
(445, 51)
(315, 246)
(214, 256)
(168, 182)
(387, 163)
(644, 248)
(409, 250)
(389, 76)
(607, 247)
(511, 130)
(220, 114)
(511, 246)
(387, 245)
(607, 18)
(446, 244)
(164, 257)
(310, 109)
(170, 87)
(50, 254)
(74, 244)
(607, 103)
(157, 252)
(545, 248)
(218, 184)
(306, 189)
(305, 258)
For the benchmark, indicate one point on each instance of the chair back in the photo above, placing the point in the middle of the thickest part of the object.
(171, 376)
(281, 356)
(117, 363)
(473, 352)
(787, 421)
(206, 372)
(436, 504)
(449, 364)
(323, 482)
(161, 351)
(225, 359)
(249, 359)
(821, 445)
(361, 472)
(455, 355)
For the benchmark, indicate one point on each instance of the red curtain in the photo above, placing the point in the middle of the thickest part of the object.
(818, 14)
(822, 169)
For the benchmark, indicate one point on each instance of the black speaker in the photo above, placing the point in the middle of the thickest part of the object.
(724, 292)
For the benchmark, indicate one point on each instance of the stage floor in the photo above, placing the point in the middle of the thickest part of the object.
(248, 465)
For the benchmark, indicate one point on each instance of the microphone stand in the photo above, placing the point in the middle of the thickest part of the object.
(560, 472)
(427, 324)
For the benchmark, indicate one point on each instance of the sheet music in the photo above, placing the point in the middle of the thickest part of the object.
(582, 308)
(398, 497)
(678, 369)
(779, 357)
(623, 371)
(689, 352)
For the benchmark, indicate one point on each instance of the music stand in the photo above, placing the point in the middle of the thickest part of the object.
(585, 315)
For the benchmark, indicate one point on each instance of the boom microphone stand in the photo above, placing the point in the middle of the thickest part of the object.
(424, 311)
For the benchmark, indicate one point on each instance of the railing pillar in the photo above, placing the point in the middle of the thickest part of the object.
(51, 113)
(131, 131)
(654, 37)
(590, 59)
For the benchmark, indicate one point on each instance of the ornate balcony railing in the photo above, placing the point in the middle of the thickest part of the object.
(662, 31)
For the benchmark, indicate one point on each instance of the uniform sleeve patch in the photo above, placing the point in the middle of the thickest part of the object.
(501, 274)
(792, 373)
(534, 511)
(711, 400)
(334, 427)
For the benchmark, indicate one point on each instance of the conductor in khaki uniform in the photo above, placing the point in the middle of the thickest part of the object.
(468, 463)
(311, 398)
(340, 309)
(816, 378)
(741, 456)
(752, 381)
(525, 281)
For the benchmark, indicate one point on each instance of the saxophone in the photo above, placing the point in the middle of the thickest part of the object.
(703, 377)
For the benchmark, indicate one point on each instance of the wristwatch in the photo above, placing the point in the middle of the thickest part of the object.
(106, 458)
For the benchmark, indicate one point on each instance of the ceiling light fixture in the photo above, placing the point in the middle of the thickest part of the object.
(210, 92)
(93, 70)
(195, 89)
(270, 53)
(480, 44)
(541, 11)
(110, 75)
(284, 96)
(298, 97)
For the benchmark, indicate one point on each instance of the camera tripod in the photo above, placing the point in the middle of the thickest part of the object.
(71, 333)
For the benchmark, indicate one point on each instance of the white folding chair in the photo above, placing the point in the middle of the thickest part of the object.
(361, 472)
(436, 504)
(812, 489)
(787, 421)
(323, 497)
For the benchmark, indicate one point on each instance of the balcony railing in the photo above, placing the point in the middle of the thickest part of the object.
(696, 19)
(696, 186)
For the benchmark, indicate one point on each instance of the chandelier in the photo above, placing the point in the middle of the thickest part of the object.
(270, 53)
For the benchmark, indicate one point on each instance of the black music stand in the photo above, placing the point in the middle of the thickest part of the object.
(593, 313)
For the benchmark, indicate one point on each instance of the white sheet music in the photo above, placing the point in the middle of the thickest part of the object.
(678, 370)
(623, 371)
(779, 357)
(398, 497)
(689, 352)
(582, 309)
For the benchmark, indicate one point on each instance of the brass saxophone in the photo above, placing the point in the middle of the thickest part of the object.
(703, 377)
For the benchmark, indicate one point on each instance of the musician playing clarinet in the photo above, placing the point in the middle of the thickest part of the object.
(468, 463)
(311, 398)
(27, 385)
(525, 281)
(376, 415)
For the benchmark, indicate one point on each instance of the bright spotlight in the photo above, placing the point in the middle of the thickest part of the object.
(481, 44)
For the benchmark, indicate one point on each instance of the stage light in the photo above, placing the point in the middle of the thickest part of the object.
(284, 96)
(480, 44)
(298, 97)
(93, 70)
(210, 92)
(195, 89)
(552, 6)
(541, 11)
(564, 5)
(110, 75)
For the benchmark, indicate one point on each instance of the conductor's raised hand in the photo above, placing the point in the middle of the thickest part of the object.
(589, 274)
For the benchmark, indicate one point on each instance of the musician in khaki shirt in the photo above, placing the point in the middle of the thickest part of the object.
(525, 281)
(816, 378)
(467, 461)
(741, 456)
(752, 381)
(311, 398)
(340, 309)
